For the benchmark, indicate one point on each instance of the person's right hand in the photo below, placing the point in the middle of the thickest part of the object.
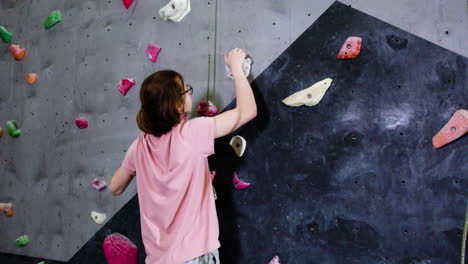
(234, 59)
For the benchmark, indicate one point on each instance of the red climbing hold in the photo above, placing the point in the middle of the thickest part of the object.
(152, 51)
(127, 3)
(456, 127)
(17, 51)
(205, 109)
(351, 48)
(125, 85)
(238, 184)
(118, 249)
(81, 122)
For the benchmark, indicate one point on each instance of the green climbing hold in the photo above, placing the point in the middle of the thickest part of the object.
(22, 241)
(12, 128)
(5, 34)
(53, 19)
(42, 262)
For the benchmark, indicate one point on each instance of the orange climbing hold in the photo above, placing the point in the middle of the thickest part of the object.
(31, 78)
(351, 48)
(456, 127)
(17, 52)
(7, 208)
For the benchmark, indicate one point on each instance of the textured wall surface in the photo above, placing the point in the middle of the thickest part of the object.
(354, 179)
(47, 171)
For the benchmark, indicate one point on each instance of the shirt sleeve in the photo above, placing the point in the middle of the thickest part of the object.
(202, 135)
(128, 164)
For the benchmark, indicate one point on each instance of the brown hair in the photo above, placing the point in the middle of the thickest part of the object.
(161, 98)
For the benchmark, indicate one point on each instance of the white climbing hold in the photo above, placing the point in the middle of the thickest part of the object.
(99, 218)
(238, 144)
(246, 67)
(175, 10)
(309, 96)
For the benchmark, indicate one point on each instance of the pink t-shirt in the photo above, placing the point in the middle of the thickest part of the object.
(177, 207)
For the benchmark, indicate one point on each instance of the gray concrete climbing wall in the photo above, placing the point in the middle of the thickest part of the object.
(47, 171)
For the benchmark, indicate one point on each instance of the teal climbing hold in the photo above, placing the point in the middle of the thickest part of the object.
(53, 19)
(5, 34)
(12, 128)
(22, 241)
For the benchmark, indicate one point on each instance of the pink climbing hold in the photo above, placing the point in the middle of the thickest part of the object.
(152, 51)
(351, 48)
(213, 175)
(127, 3)
(125, 85)
(205, 109)
(238, 184)
(81, 122)
(99, 184)
(118, 249)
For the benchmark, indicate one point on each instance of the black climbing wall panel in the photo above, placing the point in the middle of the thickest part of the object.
(354, 179)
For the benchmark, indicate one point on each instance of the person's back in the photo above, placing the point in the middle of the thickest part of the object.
(170, 161)
(177, 206)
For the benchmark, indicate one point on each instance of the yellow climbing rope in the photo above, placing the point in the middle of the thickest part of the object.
(464, 237)
(210, 38)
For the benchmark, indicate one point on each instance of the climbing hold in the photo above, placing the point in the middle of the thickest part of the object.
(99, 218)
(1, 131)
(246, 66)
(31, 78)
(53, 19)
(351, 48)
(7, 208)
(5, 35)
(309, 96)
(99, 184)
(238, 184)
(12, 128)
(42, 262)
(456, 127)
(152, 51)
(17, 52)
(213, 175)
(119, 249)
(274, 260)
(125, 84)
(175, 10)
(127, 3)
(214, 193)
(205, 109)
(238, 144)
(22, 241)
(81, 122)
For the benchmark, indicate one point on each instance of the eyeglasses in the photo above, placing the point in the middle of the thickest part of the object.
(189, 89)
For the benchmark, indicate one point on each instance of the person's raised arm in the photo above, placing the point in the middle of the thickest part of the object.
(246, 108)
